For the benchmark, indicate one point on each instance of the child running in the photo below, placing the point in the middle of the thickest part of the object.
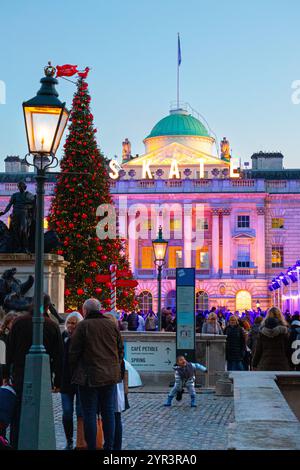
(184, 376)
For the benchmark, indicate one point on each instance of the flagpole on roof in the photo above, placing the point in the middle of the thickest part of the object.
(178, 64)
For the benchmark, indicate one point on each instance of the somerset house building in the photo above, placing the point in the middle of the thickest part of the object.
(237, 227)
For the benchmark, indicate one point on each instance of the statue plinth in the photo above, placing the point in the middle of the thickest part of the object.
(54, 273)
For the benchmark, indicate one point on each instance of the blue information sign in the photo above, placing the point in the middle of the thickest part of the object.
(185, 313)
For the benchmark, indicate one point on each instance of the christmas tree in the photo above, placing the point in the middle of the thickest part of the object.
(83, 185)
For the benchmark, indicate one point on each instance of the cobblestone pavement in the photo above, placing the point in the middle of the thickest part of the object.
(151, 426)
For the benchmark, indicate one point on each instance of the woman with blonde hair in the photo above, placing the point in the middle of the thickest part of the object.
(212, 326)
(275, 312)
(272, 347)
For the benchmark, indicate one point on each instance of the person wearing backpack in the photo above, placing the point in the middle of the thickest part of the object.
(151, 321)
(133, 321)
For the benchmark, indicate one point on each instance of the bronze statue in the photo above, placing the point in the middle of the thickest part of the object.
(12, 291)
(12, 294)
(22, 219)
(225, 150)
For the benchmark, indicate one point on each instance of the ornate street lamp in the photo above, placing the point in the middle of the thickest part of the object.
(160, 249)
(45, 120)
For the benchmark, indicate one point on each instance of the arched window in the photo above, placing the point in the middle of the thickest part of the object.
(145, 300)
(202, 300)
(171, 299)
(243, 301)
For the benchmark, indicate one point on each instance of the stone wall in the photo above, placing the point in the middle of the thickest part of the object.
(210, 351)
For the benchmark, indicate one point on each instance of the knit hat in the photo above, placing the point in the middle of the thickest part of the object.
(271, 323)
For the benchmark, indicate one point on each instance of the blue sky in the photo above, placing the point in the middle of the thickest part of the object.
(239, 60)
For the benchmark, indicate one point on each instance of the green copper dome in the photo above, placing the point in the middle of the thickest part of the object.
(179, 122)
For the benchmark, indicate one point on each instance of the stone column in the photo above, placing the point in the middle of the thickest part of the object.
(260, 241)
(215, 241)
(226, 241)
(187, 235)
(132, 241)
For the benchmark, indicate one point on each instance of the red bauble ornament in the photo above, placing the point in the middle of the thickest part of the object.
(104, 257)
(125, 294)
(88, 280)
(80, 291)
(99, 248)
(108, 285)
(60, 252)
(71, 225)
(67, 292)
(98, 290)
(84, 216)
(66, 243)
(93, 264)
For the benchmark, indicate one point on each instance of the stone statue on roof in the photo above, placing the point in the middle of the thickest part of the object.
(126, 150)
(225, 150)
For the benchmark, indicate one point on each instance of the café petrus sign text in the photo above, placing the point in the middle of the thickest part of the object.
(155, 357)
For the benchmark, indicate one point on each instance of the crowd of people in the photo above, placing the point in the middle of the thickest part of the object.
(252, 335)
(88, 367)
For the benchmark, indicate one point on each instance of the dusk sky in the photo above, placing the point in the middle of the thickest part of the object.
(239, 60)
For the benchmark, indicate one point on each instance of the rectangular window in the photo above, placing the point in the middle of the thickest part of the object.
(277, 222)
(175, 257)
(202, 224)
(277, 256)
(147, 257)
(243, 221)
(146, 224)
(202, 258)
(243, 257)
(175, 225)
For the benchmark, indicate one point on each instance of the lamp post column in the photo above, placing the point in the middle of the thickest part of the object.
(159, 296)
(37, 431)
(38, 319)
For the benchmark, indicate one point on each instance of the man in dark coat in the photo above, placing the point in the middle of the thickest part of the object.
(272, 350)
(235, 344)
(18, 345)
(95, 355)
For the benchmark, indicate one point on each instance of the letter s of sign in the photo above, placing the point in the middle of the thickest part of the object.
(296, 354)
(114, 166)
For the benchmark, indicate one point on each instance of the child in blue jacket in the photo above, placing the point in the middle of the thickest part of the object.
(184, 377)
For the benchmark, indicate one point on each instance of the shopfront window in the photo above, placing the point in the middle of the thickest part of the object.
(243, 301)
(202, 301)
(145, 301)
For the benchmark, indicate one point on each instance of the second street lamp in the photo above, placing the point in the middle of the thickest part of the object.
(45, 120)
(160, 249)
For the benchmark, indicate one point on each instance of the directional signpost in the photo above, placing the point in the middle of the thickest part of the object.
(112, 278)
(185, 313)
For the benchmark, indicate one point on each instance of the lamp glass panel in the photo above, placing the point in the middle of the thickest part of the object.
(60, 131)
(41, 125)
(160, 250)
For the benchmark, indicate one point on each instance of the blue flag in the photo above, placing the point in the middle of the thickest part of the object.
(179, 51)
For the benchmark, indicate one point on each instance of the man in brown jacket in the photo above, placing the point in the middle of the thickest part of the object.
(95, 356)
